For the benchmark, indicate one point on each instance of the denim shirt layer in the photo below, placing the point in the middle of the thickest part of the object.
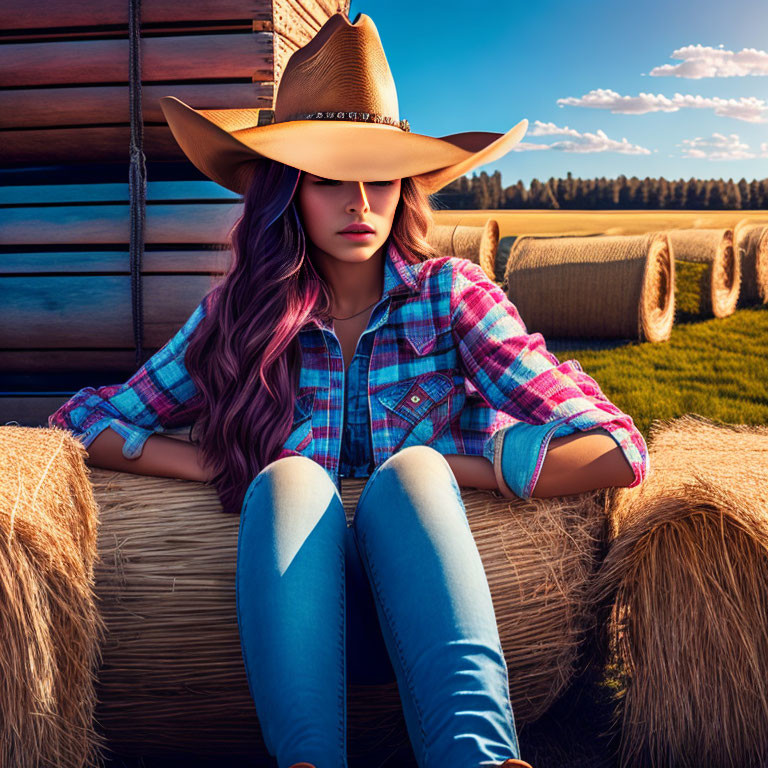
(356, 451)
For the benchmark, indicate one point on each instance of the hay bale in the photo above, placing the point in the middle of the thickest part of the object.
(685, 583)
(478, 244)
(603, 287)
(720, 280)
(751, 245)
(507, 242)
(173, 678)
(50, 627)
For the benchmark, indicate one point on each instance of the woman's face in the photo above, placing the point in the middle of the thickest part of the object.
(327, 206)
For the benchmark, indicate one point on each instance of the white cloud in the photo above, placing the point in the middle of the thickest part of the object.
(720, 147)
(747, 108)
(579, 142)
(550, 129)
(526, 146)
(705, 61)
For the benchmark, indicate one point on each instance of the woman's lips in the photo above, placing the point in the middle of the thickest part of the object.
(360, 237)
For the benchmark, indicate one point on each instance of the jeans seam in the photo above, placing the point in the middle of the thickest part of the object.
(237, 597)
(398, 644)
(343, 656)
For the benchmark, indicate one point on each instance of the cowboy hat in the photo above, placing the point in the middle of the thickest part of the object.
(335, 116)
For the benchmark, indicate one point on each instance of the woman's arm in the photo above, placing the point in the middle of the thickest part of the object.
(583, 461)
(515, 373)
(161, 457)
(573, 464)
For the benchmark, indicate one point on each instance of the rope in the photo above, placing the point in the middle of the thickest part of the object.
(137, 177)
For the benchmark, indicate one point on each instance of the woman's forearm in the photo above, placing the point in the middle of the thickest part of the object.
(161, 456)
(472, 471)
(583, 461)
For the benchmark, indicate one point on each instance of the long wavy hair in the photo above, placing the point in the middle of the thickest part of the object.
(244, 356)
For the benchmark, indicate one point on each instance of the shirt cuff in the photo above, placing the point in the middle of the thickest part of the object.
(133, 435)
(517, 452)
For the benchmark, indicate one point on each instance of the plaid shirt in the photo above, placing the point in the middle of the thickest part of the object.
(451, 363)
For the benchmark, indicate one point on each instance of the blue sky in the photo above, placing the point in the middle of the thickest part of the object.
(463, 66)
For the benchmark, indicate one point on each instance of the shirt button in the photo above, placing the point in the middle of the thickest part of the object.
(415, 399)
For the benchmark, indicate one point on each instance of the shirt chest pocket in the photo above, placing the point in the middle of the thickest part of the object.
(416, 409)
(431, 346)
(301, 432)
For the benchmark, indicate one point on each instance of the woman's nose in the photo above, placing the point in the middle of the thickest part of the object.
(360, 201)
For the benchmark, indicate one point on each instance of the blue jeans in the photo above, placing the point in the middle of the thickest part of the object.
(401, 590)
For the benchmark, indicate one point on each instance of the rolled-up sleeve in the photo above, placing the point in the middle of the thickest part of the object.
(160, 395)
(515, 373)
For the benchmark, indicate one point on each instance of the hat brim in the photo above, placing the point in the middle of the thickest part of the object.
(223, 142)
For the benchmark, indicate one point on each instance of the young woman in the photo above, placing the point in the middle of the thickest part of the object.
(338, 345)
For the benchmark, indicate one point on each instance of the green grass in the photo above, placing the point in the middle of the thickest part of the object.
(717, 368)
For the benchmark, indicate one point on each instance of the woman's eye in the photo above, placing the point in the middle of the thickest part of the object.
(336, 181)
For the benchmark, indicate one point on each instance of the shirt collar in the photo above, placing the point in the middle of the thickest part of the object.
(399, 275)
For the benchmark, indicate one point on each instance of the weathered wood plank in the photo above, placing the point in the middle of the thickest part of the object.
(70, 361)
(29, 410)
(206, 223)
(117, 262)
(184, 57)
(94, 311)
(24, 14)
(87, 145)
(36, 194)
(86, 105)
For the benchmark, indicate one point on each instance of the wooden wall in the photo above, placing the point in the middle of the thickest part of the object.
(65, 285)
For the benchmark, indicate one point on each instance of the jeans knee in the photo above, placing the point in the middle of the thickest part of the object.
(411, 472)
(417, 464)
(297, 484)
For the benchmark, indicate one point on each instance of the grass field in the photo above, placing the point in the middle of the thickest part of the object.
(596, 222)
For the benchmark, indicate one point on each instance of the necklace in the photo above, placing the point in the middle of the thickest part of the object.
(356, 313)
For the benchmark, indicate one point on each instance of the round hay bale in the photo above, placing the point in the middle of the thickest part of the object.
(721, 276)
(604, 287)
(478, 244)
(751, 245)
(50, 626)
(684, 587)
(173, 679)
(507, 242)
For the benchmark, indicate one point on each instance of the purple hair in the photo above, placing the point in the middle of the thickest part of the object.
(245, 357)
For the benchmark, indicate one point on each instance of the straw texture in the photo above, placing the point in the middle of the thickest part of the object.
(685, 583)
(173, 678)
(751, 239)
(477, 244)
(50, 628)
(721, 278)
(604, 287)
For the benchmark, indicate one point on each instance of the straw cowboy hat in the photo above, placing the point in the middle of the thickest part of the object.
(335, 116)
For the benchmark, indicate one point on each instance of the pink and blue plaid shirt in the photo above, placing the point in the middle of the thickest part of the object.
(451, 363)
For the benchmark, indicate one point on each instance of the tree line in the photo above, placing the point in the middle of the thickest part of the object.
(486, 191)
